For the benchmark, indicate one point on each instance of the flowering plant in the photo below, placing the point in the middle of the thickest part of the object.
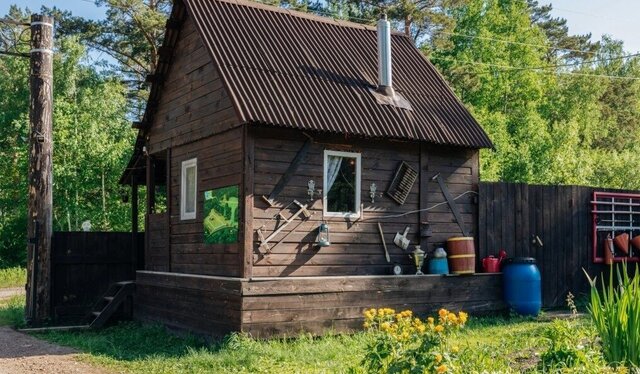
(405, 344)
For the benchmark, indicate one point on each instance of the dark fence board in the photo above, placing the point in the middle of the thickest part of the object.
(84, 264)
(512, 214)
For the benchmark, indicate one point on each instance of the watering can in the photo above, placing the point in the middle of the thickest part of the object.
(491, 264)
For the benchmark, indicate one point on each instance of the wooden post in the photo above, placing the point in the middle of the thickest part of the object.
(39, 227)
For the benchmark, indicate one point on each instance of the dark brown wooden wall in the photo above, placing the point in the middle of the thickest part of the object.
(220, 164)
(356, 245)
(205, 305)
(194, 103)
(268, 307)
(84, 264)
(512, 214)
(195, 119)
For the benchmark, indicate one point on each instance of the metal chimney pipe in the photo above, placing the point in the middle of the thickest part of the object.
(384, 56)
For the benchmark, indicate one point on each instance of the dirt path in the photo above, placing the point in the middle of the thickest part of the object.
(6, 293)
(24, 354)
(21, 353)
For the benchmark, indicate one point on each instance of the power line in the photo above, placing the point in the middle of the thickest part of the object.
(14, 22)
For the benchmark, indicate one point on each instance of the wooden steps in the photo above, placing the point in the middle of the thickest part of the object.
(108, 304)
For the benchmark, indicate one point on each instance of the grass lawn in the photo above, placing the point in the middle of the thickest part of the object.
(13, 277)
(497, 344)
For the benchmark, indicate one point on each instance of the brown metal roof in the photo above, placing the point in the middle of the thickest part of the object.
(297, 70)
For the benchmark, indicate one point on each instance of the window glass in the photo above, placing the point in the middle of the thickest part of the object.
(342, 183)
(190, 200)
(188, 189)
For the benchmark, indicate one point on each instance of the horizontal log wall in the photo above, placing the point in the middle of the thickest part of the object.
(356, 247)
(277, 307)
(220, 164)
(206, 305)
(195, 119)
(269, 307)
(194, 103)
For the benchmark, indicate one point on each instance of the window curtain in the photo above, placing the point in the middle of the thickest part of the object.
(333, 168)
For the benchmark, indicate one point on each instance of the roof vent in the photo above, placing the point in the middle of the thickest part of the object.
(385, 94)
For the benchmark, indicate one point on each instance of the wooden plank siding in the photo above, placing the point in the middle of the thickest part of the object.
(195, 119)
(220, 164)
(356, 247)
(268, 307)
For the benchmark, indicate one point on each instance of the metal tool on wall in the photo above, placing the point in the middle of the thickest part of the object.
(264, 242)
(452, 203)
(401, 240)
(288, 174)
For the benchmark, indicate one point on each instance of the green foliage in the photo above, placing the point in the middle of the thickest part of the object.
(570, 346)
(12, 311)
(92, 142)
(13, 277)
(615, 310)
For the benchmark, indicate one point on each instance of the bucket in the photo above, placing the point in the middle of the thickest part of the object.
(491, 264)
(622, 242)
(636, 242)
(438, 266)
(522, 285)
(462, 255)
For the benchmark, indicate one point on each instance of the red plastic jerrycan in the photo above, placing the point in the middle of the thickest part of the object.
(491, 264)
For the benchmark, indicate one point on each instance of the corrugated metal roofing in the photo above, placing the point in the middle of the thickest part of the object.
(297, 70)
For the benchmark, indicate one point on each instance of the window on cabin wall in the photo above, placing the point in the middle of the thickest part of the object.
(188, 189)
(341, 190)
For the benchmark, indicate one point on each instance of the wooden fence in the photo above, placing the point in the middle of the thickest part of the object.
(84, 264)
(513, 216)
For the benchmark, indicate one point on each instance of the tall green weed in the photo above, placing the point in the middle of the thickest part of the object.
(615, 310)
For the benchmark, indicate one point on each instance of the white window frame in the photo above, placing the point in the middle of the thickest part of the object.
(184, 215)
(325, 190)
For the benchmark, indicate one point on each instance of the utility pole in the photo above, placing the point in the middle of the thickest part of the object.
(39, 228)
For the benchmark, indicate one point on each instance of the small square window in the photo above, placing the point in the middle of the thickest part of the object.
(341, 191)
(188, 189)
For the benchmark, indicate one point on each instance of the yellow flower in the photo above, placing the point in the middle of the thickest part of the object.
(452, 317)
(455, 349)
(463, 317)
(442, 369)
(385, 326)
(430, 320)
(381, 312)
(367, 325)
(438, 358)
(443, 313)
(421, 328)
(439, 328)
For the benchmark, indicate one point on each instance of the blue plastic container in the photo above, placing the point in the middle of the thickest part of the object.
(522, 285)
(438, 266)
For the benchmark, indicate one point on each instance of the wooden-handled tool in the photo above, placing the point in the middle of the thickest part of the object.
(384, 244)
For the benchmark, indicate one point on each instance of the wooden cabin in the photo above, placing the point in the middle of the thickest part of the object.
(267, 127)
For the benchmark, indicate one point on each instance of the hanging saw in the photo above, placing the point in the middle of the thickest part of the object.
(452, 203)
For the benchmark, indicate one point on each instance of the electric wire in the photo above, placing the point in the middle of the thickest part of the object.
(419, 210)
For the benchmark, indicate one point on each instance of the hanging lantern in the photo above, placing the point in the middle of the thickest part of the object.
(323, 235)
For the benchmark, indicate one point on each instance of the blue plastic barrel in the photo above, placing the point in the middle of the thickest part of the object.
(438, 266)
(522, 285)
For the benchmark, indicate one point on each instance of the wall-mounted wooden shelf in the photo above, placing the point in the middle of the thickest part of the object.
(614, 214)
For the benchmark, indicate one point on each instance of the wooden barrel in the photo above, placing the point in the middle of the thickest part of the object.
(462, 255)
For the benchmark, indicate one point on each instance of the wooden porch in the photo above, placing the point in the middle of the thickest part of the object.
(265, 307)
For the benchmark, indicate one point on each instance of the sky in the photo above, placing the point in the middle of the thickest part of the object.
(618, 18)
